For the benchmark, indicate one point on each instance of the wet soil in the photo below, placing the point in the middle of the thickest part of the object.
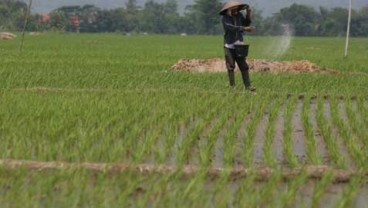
(320, 144)
(256, 65)
(297, 134)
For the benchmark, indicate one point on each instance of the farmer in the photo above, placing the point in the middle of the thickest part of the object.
(235, 23)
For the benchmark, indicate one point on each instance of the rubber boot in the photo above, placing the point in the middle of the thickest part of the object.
(231, 78)
(246, 79)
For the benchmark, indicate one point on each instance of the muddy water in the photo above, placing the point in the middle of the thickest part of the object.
(331, 197)
(339, 141)
(279, 134)
(218, 152)
(259, 140)
(239, 148)
(321, 146)
(183, 132)
(297, 136)
(362, 197)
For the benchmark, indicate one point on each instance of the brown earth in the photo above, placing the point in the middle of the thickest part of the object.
(7, 36)
(263, 174)
(256, 65)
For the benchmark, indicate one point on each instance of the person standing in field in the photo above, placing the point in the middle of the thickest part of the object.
(235, 23)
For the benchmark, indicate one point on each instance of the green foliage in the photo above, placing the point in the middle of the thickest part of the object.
(112, 99)
(12, 14)
(200, 18)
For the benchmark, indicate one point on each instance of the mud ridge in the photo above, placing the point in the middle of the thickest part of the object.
(262, 174)
(256, 65)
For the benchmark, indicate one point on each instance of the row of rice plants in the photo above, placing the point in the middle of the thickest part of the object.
(167, 128)
(351, 142)
(80, 188)
(239, 114)
(143, 140)
(199, 122)
(320, 188)
(290, 196)
(178, 128)
(362, 109)
(311, 146)
(259, 107)
(326, 132)
(288, 145)
(349, 194)
(268, 153)
(355, 118)
(116, 141)
(207, 148)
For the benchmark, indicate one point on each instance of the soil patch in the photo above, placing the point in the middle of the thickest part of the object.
(263, 174)
(256, 65)
(7, 36)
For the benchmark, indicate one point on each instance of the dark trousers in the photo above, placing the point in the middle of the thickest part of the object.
(231, 58)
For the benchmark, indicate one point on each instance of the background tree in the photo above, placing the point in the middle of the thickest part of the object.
(204, 13)
(360, 22)
(131, 16)
(172, 16)
(12, 14)
(303, 18)
(59, 20)
(163, 18)
(89, 18)
(153, 18)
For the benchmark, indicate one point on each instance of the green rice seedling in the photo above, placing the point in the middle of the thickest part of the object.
(166, 141)
(246, 191)
(351, 142)
(183, 120)
(211, 137)
(326, 132)
(193, 136)
(146, 141)
(225, 198)
(67, 188)
(231, 135)
(288, 198)
(363, 111)
(205, 141)
(157, 189)
(222, 190)
(208, 117)
(320, 188)
(350, 193)
(357, 126)
(110, 99)
(258, 107)
(287, 145)
(312, 155)
(269, 192)
(268, 153)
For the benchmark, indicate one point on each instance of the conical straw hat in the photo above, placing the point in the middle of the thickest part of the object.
(231, 4)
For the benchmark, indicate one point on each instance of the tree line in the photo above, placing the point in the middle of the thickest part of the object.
(163, 18)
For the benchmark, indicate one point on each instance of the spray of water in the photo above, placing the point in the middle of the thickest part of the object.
(279, 45)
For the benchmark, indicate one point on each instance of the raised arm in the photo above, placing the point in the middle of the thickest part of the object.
(247, 19)
(228, 25)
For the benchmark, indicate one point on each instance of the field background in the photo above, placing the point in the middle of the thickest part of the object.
(112, 99)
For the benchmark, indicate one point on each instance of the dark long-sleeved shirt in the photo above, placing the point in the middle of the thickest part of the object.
(234, 27)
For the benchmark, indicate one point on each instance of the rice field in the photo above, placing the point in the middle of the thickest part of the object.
(99, 120)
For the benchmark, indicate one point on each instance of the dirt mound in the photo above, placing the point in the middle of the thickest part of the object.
(7, 36)
(263, 174)
(256, 65)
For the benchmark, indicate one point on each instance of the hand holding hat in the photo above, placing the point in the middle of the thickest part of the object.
(234, 4)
